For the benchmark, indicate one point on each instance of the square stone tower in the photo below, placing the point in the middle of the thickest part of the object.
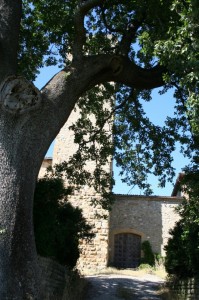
(94, 254)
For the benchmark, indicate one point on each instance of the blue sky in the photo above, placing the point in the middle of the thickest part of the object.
(157, 110)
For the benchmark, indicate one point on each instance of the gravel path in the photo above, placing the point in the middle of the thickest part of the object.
(121, 287)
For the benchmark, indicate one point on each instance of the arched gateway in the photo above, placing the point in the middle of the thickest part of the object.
(127, 250)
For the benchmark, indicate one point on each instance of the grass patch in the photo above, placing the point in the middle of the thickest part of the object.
(142, 270)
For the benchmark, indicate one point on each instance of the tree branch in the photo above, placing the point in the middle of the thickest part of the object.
(182, 99)
(10, 16)
(128, 37)
(62, 92)
(96, 69)
(83, 8)
(80, 32)
(111, 29)
(128, 73)
(121, 69)
(110, 116)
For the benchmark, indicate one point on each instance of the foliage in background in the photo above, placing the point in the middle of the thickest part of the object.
(58, 225)
(179, 51)
(140, 147)
(182, 250)
(148, 255)
(149, 33)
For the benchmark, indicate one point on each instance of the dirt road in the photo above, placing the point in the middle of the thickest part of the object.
(122, 287)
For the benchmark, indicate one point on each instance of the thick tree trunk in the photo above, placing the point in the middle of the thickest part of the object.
(28, 124)
(19, 272)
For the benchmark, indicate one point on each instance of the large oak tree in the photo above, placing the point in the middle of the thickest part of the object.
(94, 42)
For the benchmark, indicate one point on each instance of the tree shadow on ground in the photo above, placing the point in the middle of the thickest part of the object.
(115, 288)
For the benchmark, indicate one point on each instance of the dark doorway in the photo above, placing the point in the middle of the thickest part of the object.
(127, 250)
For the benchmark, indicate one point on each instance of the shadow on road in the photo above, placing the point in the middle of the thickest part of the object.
(106, 287)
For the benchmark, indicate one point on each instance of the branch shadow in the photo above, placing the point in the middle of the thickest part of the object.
(115, 288)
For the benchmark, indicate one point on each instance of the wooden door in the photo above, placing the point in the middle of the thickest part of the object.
(127, 250)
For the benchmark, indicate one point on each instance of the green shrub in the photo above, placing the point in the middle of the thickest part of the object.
(182, 250)
(145, 266)
(58, 225)
(148, 257)
(159, 260)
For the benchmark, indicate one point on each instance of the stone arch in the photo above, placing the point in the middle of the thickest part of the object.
(125, 247)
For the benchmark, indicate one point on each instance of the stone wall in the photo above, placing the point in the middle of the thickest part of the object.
(149, 217)
(94, 254)
(54, 279)
(65, 147)
(186, 289)
(59, 283)
(47, 162)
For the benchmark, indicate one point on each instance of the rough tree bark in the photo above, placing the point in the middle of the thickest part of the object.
(29, 121)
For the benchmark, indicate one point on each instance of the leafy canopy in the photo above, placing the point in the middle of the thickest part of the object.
(149, 32)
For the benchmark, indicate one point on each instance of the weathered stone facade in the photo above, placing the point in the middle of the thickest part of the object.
(47, 162)
(184, 289)
(145, 218)
(151, 218)
(94, 255)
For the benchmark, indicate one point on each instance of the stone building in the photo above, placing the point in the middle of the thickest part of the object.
(135, 219)
(132, 220)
